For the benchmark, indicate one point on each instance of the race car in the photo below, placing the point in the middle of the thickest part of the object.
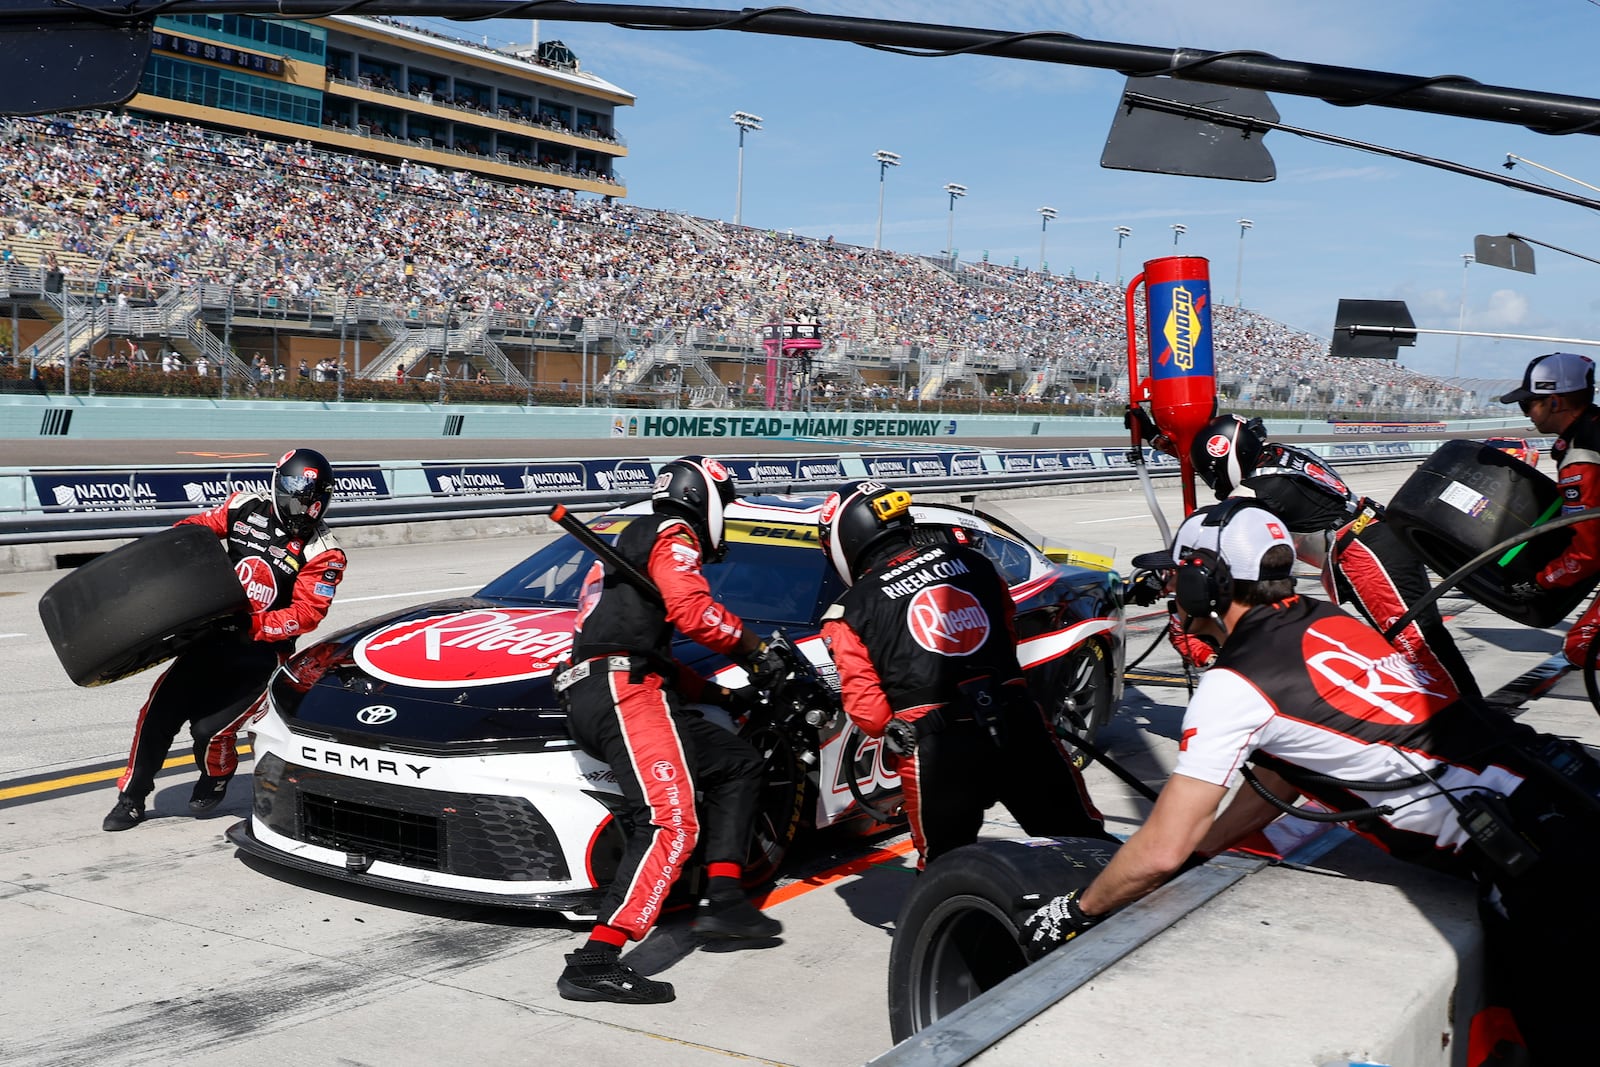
(426, 751)
(1517, 447)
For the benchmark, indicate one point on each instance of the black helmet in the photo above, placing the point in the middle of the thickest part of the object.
(1226, 450)
(700, 490)
(302, 486)
(858, 516)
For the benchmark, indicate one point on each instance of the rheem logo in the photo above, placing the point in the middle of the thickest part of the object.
(260, 585)
(947, 620)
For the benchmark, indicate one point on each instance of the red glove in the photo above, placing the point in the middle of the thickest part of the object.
(1197, 651)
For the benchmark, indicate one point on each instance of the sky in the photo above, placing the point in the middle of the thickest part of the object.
(1336, 223)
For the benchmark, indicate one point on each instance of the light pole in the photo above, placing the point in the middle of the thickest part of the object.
(1461, 320)
(1238, 273)
(885, 160)
(1045, 215)
(956, 192)
(1123, 233)
(1178, 230)
(1513, 160)
(746, 123)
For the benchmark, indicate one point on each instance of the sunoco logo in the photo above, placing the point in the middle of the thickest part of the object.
(1182, 328)
(485, 647)
(947, 620)
(260, 584)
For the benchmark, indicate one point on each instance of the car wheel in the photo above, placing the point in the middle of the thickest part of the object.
(140, 604)
(956, 935)
(786, 797)
(1084, 703)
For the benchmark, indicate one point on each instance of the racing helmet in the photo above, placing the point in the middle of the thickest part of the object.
(700, 490)
(302, 486)
(856, 517)
(1226, 450)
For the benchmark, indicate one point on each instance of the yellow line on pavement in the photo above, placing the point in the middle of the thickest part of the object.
(110, 774)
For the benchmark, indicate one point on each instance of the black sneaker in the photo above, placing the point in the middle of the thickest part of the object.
(734, 919)
(128, 813)
(592, 975)
(208, 793)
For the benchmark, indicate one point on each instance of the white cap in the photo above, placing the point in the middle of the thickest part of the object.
(1239, 532)
(1559, 372)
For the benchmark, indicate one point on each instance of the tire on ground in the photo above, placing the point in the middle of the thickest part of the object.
(957, 932)
(140, 604)
(1468, 497)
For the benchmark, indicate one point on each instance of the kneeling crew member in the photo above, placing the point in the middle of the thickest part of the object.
(622, 695)
(1327, 709)
(289, 565)
(1364, 562)
(927, 657)
(1557, 394)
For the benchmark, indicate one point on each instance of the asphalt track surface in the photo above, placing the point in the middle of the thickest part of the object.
(163, 944)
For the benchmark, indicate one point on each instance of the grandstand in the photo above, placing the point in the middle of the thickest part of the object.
(136, 235)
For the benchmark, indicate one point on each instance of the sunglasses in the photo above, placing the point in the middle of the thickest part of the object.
(1526, 404)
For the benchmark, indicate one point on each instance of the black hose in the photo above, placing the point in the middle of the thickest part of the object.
(854, 754)
(1161, 632)
(1454, 578)
(1127, 776)
(1310, 816)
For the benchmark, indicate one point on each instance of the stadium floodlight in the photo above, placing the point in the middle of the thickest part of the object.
(886, 159)
(1238, 273)
(956, 191)
(1178, 230)
(1045, 215)
(1461, 321)
(746, 123)
(1123, 233)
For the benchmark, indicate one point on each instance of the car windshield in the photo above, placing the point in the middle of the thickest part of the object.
(759, 581)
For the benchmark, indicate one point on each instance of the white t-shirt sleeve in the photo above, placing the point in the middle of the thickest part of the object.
(1223, 724)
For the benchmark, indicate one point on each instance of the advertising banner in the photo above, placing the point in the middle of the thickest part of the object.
(198, 488)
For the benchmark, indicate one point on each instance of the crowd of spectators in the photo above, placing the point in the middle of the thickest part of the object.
(153, 205)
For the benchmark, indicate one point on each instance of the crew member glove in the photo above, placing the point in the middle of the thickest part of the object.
(1050, 927)
(1523, 592)
(900, 737)
(768, 663)
(1145, 588)
(1198, 652)
(740, 702)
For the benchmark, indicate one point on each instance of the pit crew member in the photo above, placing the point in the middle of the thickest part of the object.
(290, 566)
(926, 650)
(1557, 394)
(623, 695)
(1326, 708)
(1364, 562)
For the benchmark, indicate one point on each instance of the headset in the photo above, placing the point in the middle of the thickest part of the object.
(1203, 586)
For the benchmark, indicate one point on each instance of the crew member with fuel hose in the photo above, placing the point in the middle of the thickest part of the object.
(622, 695)
(925, 645)
(1327, 709)
(1557, 394)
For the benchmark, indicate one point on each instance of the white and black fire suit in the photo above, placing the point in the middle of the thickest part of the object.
(215, 683)
(927, 634)
(622, 695)
(1577, 455)
(1367, 566)
(1306, 691)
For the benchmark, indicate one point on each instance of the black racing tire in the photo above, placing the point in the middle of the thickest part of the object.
(140, 604)
(786, 802)
(1468, 497)
(1083, 696)
(957, 932)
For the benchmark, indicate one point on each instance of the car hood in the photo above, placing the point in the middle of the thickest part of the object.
(457, 676)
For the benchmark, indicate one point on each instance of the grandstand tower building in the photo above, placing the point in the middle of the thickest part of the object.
(376, 87)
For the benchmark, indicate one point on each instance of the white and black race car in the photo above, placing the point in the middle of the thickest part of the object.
(425, 751)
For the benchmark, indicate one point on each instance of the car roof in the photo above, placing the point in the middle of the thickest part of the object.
(805, 510)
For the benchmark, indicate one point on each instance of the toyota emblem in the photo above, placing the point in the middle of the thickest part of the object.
(376, 715)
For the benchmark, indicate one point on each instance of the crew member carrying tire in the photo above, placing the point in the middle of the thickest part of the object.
(622, 695)
(290, 566)
(1364, 562)
(926, 649)
(1557, 394)
(1325, 708)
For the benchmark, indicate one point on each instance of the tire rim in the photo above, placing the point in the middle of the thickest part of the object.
(1080, 707)
(777, 820)
(972, 948)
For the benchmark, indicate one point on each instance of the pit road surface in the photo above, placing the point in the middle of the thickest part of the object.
(162, 944)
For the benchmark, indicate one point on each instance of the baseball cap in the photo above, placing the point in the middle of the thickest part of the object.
(1239, 531)
(1558, 372)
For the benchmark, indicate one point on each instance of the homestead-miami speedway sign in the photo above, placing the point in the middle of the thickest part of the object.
(778, 425)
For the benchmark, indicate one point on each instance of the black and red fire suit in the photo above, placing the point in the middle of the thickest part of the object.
(214, 684)
(622, 695)
(927, 634)
(1367, 565)
(1323, 701)
(1577, 454)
